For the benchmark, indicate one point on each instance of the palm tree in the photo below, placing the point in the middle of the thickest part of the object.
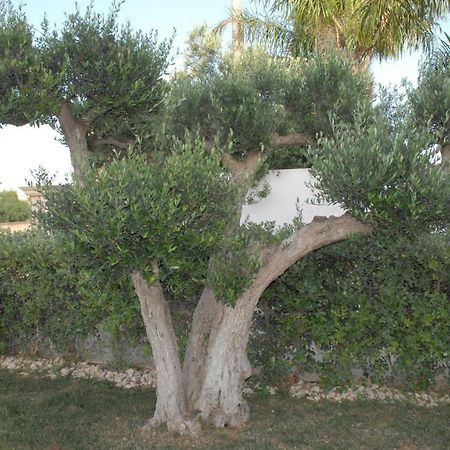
(444, 48)
(237, 25)
(366, 28)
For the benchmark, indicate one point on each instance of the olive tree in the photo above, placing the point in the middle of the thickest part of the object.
(430, 101)
(95, 81)
(172, 222)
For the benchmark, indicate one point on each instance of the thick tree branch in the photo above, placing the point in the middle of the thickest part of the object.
(245, 168)
(208, 312)
(74, 131)
(445, 155)
(292, 139)
(243, 172)
(67, 117)
(319, 233)
(97, 142)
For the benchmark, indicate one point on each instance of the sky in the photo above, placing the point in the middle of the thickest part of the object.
(25, 148)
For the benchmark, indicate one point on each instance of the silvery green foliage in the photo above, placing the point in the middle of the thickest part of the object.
(383, 169)
(203, 51)
(430, 101)
(110, 74)
(175, 209)
(247, 99)
(25, 81)
(172, 211)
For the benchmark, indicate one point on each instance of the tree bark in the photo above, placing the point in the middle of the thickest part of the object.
(216, 364)
(170, 404)
(124, 145)
(206, 313)
(75, 133)
(319, 233)
(445, 155)
(237, 27)
(292, 140)
(227, 367)
(221, 396)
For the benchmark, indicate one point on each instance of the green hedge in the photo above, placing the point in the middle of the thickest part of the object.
(378, 304)
(12, 209)
(46, 293)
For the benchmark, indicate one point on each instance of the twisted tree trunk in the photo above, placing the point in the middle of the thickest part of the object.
(226, 365)
(206, 315)
(170, 405)
(209, 312)
(216, 364)
(75, 134)
(220, 400)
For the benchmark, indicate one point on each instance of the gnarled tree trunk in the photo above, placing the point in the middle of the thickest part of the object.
(226, 365)
(170, 405)
(74, 131)
(216, 364)
(206, 313)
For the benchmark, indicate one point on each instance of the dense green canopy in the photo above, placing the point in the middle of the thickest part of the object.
(176, 207)
(89, 76)
(253, 98)
(167, 213)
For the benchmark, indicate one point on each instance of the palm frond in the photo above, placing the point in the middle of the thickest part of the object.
(387, 26)
(366, 27)
(220, 27)
(274, 34)
(444, 48)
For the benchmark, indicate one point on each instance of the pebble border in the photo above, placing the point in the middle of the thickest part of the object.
(59, 367)
(135, 378)
(313, 392)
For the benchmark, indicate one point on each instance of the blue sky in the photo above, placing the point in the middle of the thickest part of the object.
(164, 16)
(25, 148)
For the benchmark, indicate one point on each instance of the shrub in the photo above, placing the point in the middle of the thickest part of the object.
(380, 305)
(46, 293)
(12, 209)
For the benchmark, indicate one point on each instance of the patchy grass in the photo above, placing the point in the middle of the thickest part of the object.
(78, 414)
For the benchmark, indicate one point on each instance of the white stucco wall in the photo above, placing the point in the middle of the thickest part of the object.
(280, 204)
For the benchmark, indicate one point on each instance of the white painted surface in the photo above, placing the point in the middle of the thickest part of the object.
(280, 205)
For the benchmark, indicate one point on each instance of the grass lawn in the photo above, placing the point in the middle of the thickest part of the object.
(79, 414)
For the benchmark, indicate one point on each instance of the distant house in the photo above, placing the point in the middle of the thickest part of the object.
(34, 197)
